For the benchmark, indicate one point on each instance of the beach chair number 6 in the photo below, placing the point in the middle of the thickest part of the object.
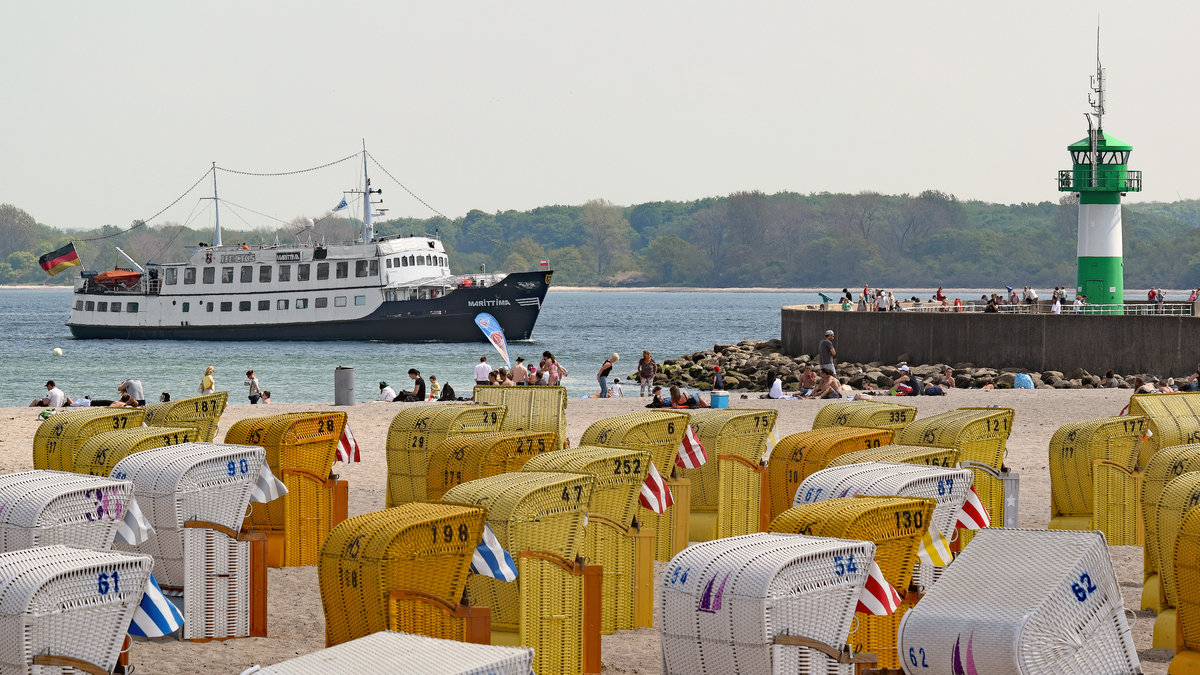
(912, 657)
(1084, 587)
(670, 427)
(102, 585)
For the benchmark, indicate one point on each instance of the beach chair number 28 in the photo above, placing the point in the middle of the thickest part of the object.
(103, 586)
(843, 564)
(1084, 587)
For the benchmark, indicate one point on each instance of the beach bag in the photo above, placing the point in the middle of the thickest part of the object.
(934, 390)
(1023, 381)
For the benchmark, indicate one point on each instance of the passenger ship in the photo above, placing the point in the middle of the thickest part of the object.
(392, 289)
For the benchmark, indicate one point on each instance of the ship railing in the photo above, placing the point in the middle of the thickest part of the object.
(975, 307)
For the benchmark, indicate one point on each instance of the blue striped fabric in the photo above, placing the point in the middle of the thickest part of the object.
(155, 616)
(491, 560)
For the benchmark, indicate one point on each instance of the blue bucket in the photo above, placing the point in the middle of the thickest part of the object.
(719, 399)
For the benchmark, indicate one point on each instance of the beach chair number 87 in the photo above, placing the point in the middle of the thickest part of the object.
(102, 585)
(1084, 587)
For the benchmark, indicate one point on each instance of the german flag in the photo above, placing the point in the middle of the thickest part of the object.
(57, 261)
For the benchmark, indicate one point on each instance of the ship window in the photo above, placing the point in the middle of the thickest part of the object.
(264, 274)
(301, 303)
(285, 272)
(395, 262)
(208, 307)
(247, 274)
(189, 275)
(322, 271)
(374, 266)
(264, 305)
(428, 260)
(281, 304)
(210, 274)
(404, 262)
(343, 270)
(227, 275)
(339, 301)
(187, 306)
(131, 307)
(89, 306)
(115, 307)
(389, 263)
(172, 276)
(360, 268)
(420, 260)
(411, 261)
(226, 306)
(302, 272)
(102, 307)
(321, 303)
(244, 306)
(78, 305)
(360, 300)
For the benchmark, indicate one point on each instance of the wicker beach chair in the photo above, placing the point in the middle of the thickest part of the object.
(57, 438)
(980, 435)
(459, 459)
(1187, 572)
(895, 525)
(871, 414)
(100, 453)
(301, 449)
(727, 490)
(799, 455)
(733, 605)
(987, 614)
(611, 539)
(1095, 477)
(201, 412)
(417, 430)
(658, 432)
(67, 610)
(1174, 420)
(1163, 467)
(422, 548)
(44, 508)
(900, 454)
(404, 654)
(1177, 498)
(196, 496)
(530, 409)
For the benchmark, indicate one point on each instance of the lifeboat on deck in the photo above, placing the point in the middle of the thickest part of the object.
(127, 278)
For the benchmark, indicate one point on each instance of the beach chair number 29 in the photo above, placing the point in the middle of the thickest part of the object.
(1084, 587)
(843, 564)
(103, 586)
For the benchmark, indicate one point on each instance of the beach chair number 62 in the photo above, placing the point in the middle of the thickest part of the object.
(1084, 587)
(914, 653)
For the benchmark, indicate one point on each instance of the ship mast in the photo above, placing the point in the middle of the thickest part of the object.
(216, 209)
(368, 231)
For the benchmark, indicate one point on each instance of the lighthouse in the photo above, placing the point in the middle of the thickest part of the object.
(1100, 176)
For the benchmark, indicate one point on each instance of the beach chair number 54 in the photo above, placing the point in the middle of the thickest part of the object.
(103, 586)
(1084, 587)
(843, 564)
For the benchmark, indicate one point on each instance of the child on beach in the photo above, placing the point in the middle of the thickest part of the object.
(615, 390)
(435, 389)
(207, 383)
(255, 391)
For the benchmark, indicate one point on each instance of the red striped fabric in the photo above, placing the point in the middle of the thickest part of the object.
(691, 452)
(877, 597)
(655, 496)
(974, 516)
(347, 450)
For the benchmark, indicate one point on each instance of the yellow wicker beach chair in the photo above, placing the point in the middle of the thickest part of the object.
(1178, 497)
(560, 606)
(659, 432)
(301, 448)
(459, 459)
(421, 547)
(201, 412)
(1095, 479)
(727, 490)
(872, 414)
(1174, 420)
(100, 453)
(531, 409)
(57, 438)
(1187, 571)
(417, 430)
(611, 540)
(980, 435)
(900, 454)
(799, 455)
(1163, 467)
(896, 525)
(527, 511)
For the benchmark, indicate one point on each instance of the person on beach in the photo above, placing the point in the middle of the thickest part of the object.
(126, 401)
(1192, 383)
(681, 400)
(828, 387)
(615, 390)
(1140, 386)
(386, 393)
(776, 391)
(718, 378)
(826, 351)
(505, 378)
(493, 379)
(266, 398)
(482, 370)
(134, 389)
(207, 383)
(533, 376)
(552, 371)
(519, 372)
(646, 368)
(81, 402)
(907, 384)
(656, 399)
(418, 391)
(255, 390)
(808, 380)
(54, 398)
(435, 389)
(602, 374)
(1110, 380)
(947, 381)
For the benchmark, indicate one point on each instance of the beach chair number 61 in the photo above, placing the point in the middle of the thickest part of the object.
(102, 585)
(1084, 587)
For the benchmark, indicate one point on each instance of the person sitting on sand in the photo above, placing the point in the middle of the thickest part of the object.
(808, 380)
(418, 391)
(266, 398)
(947, 381)
(126, 401)
(1140, 386)
(682, 400)
(614, 390)
(1110, 380)
(386, 393)
(656, 399)
(54, 398)
(1164, 387)
(907, 384)
(828, 387)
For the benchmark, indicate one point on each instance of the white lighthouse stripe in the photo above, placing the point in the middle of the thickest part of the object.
(1099, 231)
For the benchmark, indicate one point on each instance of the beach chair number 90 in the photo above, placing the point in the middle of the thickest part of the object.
(1084, 587)
(232, 469)
(447, 533)
(103, 586)
(843, 564)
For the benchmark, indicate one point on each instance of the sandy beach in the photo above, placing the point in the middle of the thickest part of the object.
(296, 623)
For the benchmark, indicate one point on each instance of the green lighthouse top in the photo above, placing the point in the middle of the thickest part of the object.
(1104, 141)
(1100, 160)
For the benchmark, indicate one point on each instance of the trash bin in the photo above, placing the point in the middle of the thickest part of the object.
(343, 386)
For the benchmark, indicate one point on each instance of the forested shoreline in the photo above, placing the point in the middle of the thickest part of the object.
(747, 239)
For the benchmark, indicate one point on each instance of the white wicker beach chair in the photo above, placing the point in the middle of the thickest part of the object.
(196, 496)
(1022, 601)
(406, 654)
(62, 607)
(723, 604)
(43, 508)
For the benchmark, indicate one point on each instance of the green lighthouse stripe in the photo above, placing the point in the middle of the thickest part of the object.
(1099, 197)
(1099, 274)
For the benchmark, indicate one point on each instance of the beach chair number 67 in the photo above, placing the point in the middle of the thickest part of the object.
(1084, 587)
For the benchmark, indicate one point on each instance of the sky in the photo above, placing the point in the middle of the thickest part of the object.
(111, 110)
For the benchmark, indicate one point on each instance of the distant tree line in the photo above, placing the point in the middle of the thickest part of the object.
(745, 239)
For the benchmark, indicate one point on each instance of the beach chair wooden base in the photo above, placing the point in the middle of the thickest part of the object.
(426, 614)
(560, 614)
(643, 578)
(1185, 663)
(703, 526)
(1077, 522)
(281, 552)
(1151, 593)
(237, 610)
(1165, 629)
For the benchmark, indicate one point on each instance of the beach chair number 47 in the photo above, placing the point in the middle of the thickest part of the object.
(103, 586)
(566, 494)
(1084, 587)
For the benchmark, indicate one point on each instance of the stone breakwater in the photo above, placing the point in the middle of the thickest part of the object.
(747, 363)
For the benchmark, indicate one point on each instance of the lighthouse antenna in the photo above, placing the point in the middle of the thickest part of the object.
(1096, 99)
